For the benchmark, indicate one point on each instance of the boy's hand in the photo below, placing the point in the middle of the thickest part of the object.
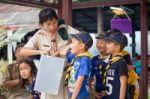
(103, 93)
(98, 95)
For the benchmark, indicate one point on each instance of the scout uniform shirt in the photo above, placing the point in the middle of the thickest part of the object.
(42, 41)
(98, 70)
(80, 67)
(117, 68)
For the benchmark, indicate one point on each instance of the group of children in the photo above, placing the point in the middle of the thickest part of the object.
(109, 75)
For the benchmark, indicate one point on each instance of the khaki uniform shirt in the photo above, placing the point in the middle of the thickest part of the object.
(12, 72)
(42, 41)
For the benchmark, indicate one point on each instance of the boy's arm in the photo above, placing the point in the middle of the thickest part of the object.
(91, 89)
(91, 79)
(123, 73)
(77, 87)
(90, 86)
(29, 52)
(123, 86)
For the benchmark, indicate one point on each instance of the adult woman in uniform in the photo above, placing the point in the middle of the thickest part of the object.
(48, 41)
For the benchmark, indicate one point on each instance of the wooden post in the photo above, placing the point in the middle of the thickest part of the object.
(99, 20)
(144, 38)
(65, 10)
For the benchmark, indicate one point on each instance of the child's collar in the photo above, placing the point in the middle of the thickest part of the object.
(122, 53)
(84, 54)
(102, 57)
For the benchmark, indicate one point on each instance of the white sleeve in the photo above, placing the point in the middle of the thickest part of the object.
(33, 42)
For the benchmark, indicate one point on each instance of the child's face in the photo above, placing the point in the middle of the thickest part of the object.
(101, 45)
(76, 46)
(25, 71)
(51, 25)
(111, 47)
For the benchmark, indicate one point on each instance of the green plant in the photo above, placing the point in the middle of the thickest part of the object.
(3, 90)
(3, 65)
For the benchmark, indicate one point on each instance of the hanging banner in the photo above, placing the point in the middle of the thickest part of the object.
(124, 25)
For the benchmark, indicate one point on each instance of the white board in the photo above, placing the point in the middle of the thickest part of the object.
(49, 74)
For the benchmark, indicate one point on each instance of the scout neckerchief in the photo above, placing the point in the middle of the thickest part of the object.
(30, 88)
(68, 68)
(100, 66)
(112, 60)
(124, 53)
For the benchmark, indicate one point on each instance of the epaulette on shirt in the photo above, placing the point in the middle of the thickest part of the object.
(40, 32)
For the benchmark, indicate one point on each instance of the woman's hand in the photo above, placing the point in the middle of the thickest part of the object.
(56, 54)
(43, 52)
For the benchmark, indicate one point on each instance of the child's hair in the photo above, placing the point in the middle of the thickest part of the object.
(47, 14)
(30, 62)
(118, 38)
(112, 31)
(101, 35)
(121, 47)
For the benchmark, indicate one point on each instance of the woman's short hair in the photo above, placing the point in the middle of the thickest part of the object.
(47, 14)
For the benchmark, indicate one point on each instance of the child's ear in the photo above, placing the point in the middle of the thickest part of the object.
(82, 45)
(118, 46)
